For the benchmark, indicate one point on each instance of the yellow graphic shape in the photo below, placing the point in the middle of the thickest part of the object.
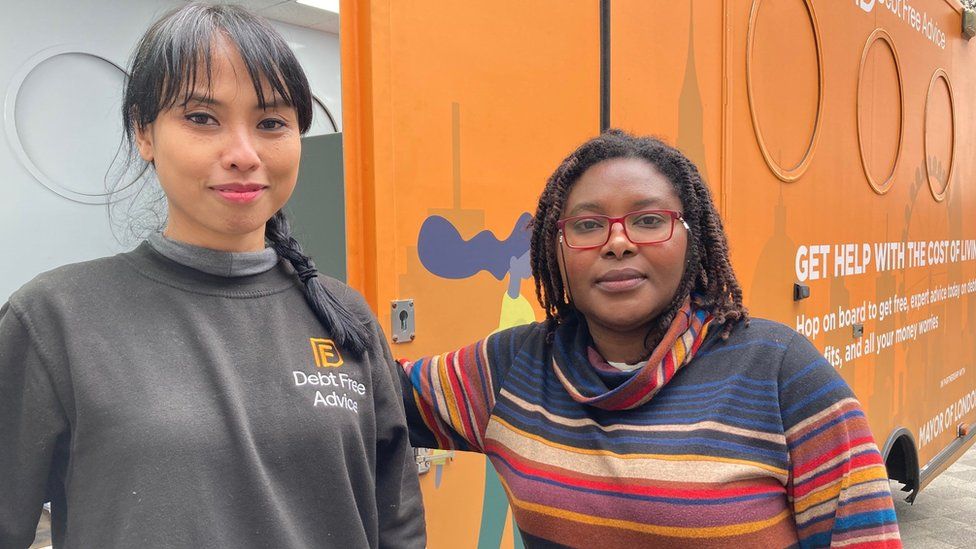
(326, 353)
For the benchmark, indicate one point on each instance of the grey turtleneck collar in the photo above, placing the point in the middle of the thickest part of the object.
(215, 262)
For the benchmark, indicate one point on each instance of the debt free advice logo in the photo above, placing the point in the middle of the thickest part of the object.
(906, 12)
(333, 389)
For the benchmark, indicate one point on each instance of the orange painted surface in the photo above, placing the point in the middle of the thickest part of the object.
(461, 111)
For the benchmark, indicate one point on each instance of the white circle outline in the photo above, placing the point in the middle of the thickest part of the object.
(13, 134)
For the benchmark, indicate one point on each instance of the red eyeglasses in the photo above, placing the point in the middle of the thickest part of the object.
(585, 232)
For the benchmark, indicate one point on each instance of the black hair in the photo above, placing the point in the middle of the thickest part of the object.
(178, 48)
(173, 54)
(349, 331)
(708, 275)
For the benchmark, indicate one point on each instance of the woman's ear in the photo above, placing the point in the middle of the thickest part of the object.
(144, 142)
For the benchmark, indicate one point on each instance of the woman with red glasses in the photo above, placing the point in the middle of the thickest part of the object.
(648, 409)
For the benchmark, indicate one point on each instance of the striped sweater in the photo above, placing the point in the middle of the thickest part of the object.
(756, 442)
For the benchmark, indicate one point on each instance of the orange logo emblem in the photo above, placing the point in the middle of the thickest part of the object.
(326, 353)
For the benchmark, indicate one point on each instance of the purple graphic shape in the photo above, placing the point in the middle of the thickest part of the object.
(444, 253)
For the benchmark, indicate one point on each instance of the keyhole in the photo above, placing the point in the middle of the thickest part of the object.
(403, 320)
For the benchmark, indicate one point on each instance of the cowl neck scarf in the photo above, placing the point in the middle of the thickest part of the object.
(586, 377)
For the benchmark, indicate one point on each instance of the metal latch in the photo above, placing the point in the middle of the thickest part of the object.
(426, 457)
(402, 321)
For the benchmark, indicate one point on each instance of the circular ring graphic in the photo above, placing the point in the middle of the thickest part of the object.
(328, 113)
(940, 195)
(786, 174)
(13, 134)
(882, 35)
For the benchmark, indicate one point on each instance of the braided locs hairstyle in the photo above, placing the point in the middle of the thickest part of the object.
(708, 274)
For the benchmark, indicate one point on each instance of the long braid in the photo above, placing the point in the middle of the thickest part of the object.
(346, 328)
(708, 273)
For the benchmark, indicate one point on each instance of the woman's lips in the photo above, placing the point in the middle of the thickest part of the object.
(240, 193)
(622, 280)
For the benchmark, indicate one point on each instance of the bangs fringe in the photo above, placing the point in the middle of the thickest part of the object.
(178, 51)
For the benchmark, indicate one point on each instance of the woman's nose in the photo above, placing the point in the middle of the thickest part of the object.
(240, 152)
(618, 243)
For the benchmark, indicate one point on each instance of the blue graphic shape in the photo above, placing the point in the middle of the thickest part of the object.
(446, 254)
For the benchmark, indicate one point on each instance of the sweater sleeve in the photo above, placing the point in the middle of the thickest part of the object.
(398, 499)
(449, 398)
(32, 428)
(838, 484)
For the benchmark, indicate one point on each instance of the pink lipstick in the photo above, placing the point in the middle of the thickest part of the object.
(241, 193)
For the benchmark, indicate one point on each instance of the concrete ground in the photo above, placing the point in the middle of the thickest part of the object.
(944, 513)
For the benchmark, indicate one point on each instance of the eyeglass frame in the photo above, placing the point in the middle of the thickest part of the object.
(674, 215)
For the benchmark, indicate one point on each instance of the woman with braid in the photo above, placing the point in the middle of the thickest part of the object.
(648, 409)
(209, 388)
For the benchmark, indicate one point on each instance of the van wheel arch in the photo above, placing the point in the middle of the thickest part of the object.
(901, 460)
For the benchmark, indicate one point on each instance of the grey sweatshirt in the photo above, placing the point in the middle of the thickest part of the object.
(158, 405)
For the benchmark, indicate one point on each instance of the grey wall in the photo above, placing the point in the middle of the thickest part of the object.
(317, 209)
(61, 92)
